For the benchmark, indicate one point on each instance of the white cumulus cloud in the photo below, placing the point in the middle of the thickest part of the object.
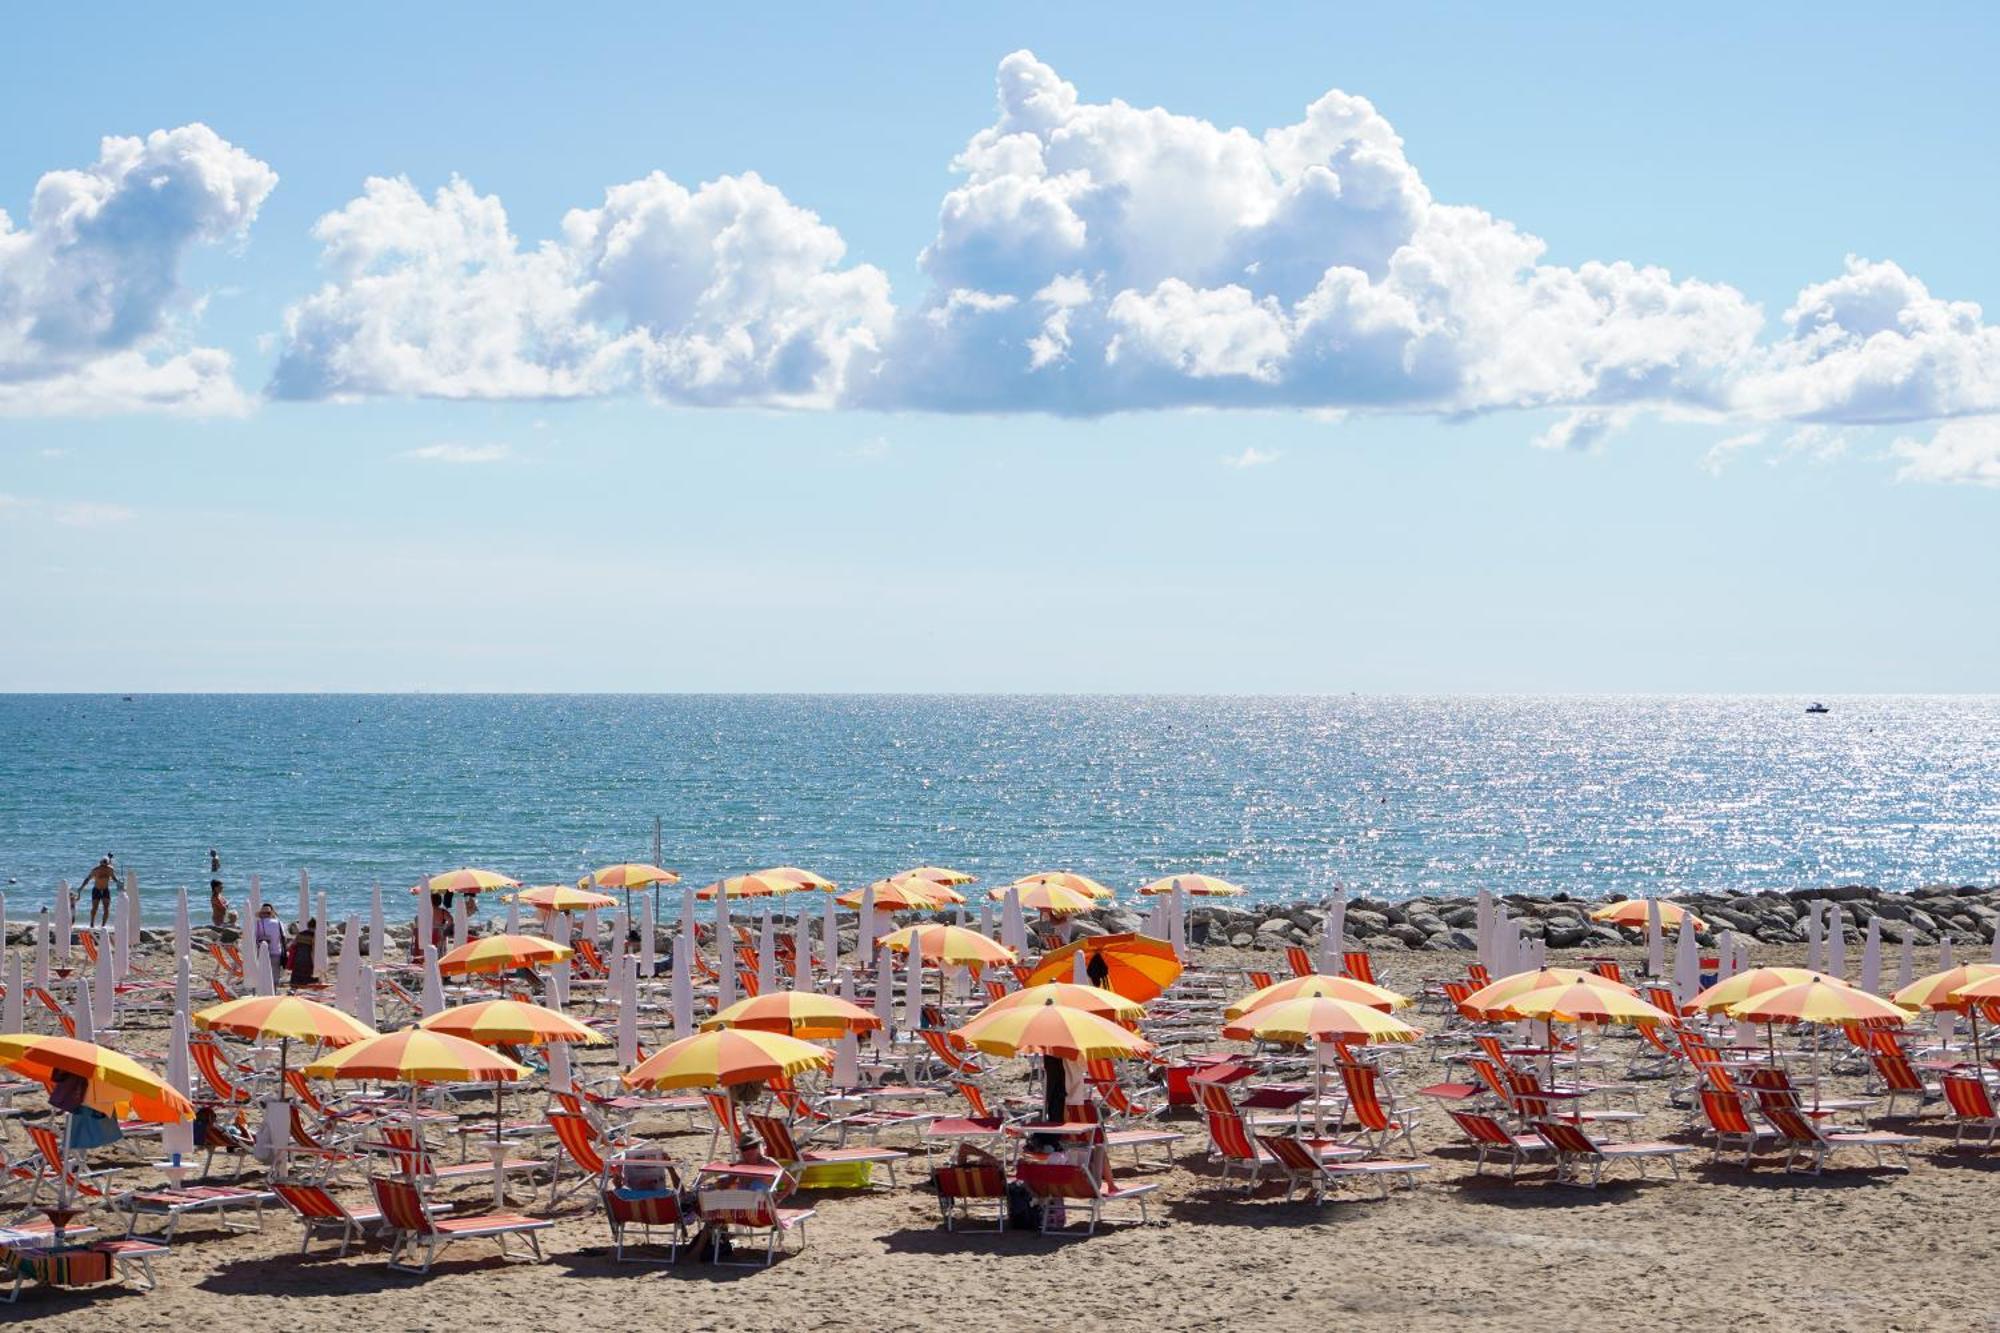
(726, 294)
(1957, 451)
(460, 453)
(92, 306)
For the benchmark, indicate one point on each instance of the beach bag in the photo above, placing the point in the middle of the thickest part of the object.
(1024, 1211)
(92, 1129)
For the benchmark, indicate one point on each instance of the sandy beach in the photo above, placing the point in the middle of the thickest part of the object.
(1857, 1248)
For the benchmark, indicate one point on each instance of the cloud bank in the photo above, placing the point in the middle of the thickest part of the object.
(1094, 257)
(91, 297)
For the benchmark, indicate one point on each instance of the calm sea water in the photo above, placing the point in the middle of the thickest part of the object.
(1391, 796)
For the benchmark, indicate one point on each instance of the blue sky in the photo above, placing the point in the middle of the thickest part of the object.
(1212, 485)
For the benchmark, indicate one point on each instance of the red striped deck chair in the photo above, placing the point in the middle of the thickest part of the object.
(657, 1204)
(1455, 994)
(1662, 997)
(979, 1124)
(1356, 963)
(1259, 980)
(49, 1003)
(1729, 1124)
(751, 1212)
(582, 1144)
(995, 990)
(1899, 1079)
(947, 1049)
(53, 1169)
(783, 1149)
(221, 989)
(1490, 1137)
(318, 1211)
(415, 1227)
(416, 1162)
(88, 939)
(1300, 960)
(1608, 969)
(746, 957)
(1477, 974)
(746, 983)
(1078, 1183)
(1810, 1139)
(1379, 1123)
(1575, 1149)
(971, 1178)
(1021, 973)
(727, 1133)
(208, 1062)
(223, 963)
(590, 962)
(402, 994)
(703, 969)
(1230, 1143)
(1971, 1107)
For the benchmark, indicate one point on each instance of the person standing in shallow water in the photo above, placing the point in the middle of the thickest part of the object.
(218, 906)
(101, 879)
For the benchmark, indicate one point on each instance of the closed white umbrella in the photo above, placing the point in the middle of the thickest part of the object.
(183, 932)
(305, 899)
(767, 953)
(560, 1078)
(64, 921)
(267, 975)
(1079, 972)
(986, 918)
(648, 945)
(462, 913)
(628, 1011)
(184, 988)
(846, 1051)
(1815, 961)
(43, 930)
(378, 931)
(913, 989)
(1836, 941)
(365, 1009)
(514, 920)
(1725, 955)
(1013, 926)
(725, 955)
(322, 931)
(178, 1138)
(559, 973)
(802, 968)
(13, 1017)
(432, 998)
(1177, 922)
(1871, 957)
(829, 936)
(1483, 926)
(683, 985)
(885, 990)
(1656, 949)
(687, 920)
(80, 1010)
(347, 982)
(102, 978)
(1333, 940)
(134, 919)
(864, 937)
(1687, 963)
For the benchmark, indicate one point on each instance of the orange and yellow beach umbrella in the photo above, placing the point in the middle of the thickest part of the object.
(1139, 967)
(1198, 886)
(726, 1056)
(549, 898)
(1068, 879)
(938, 875)
(628, 875)
(741, 886)
(1634, 912)
(1719, 998)
(1318, 986)
(1320, 1018)
(948, 946)
(1492, 1001)
(1819, 1002)
(1050, 897)
(412, 1055)
(283, 1017)
(511, 1023)
(116, 1085)
(465, 880)
(795, 880)
(901, 894)
(796, 1013)
(502, 953)
(1052, 1029)
(1090, 999)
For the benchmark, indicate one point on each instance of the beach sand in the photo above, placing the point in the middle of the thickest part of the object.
(1857, 1248)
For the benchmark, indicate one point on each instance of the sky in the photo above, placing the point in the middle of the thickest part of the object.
(1094, 348)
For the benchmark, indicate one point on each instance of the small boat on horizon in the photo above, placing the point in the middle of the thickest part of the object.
(1817, 707)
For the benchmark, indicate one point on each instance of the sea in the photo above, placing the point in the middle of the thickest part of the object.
(1289, 797)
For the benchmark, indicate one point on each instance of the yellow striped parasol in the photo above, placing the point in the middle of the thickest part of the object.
(795, 880)
(1052, 1029)
(511, 1023)
(628, 875)
(1048, 897)
(1492, 1001)
(1198, 886)
(897, 895)
(1319, 1018)
(1581, 1002)
(938, 875)
(548, 898)
(1090, 999)
(723, 1057)
(1634, 912)
(1068, 879)
(1317, 986)
(502, 953)
(465, 880)
(1718, 998)
(741, 886)
(953, 946)
(1139, 966)
(118, 1085)
(1939, 989)
(796, 1013)
(285, 1017)
(1819, 1002)
(412, 1055)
